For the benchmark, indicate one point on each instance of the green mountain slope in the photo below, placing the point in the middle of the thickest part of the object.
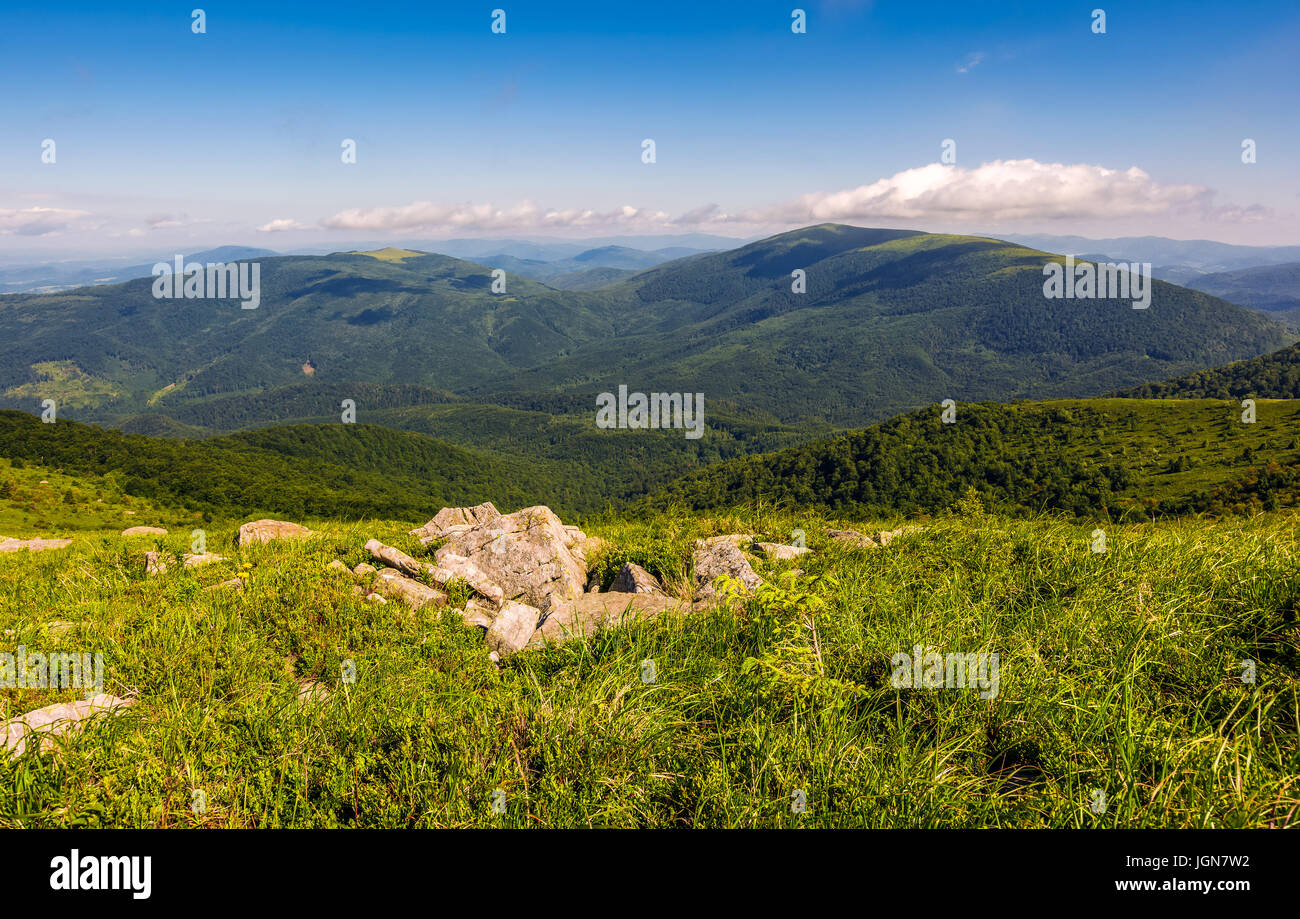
(425, 320)
(891, 320)
(1272, 376)
(329, 470)
(1081, 457)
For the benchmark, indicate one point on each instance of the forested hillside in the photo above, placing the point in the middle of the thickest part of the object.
(1092, 458)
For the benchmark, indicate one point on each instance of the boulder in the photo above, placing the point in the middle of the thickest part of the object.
(144, 531)
(477, 613)
(525, 553)
(512, 627)
(450, 566)
(451, 520)
(266, 530)
(718, 556)
(38, 544)
(193, 560)
(230, 584)
(363, 569)
(52, 721)
(396, 586)
(633, 579)
(337, 565)
(154, 563)
(582, 617)
(781, 551)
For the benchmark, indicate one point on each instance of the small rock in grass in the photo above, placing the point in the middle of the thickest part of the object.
(52, 721)
(781, 551)
(633, 579)
(259, 531)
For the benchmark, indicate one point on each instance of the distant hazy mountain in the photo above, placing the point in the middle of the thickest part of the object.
(55, 276)
(1275, 289)
(890, 320)
(1179, 261)
(588, 269)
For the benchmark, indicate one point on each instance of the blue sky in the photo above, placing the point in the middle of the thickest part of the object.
(165, 137)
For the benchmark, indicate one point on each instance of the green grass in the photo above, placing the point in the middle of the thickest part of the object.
(38, 501)
(1119, 671)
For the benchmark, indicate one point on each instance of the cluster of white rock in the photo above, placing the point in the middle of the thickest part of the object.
(529, 574)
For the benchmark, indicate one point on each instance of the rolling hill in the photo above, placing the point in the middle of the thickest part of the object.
(891, 320)
(1094, 458)
(1270, 376)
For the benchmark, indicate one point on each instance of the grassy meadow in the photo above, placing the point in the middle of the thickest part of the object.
(1121, 673)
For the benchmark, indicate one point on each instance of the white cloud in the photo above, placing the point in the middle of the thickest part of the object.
(425, 215)
(281, 224)
(989, 194)
(973, 60)
(996, 191)
(44, 221)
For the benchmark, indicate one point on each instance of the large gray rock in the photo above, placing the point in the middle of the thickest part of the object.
(718, 556)
(396, 586)
(512, 627)
(450, 566)
(259, 531)
(451, 520)
(582, 617)
(525, 553)
(633, 579)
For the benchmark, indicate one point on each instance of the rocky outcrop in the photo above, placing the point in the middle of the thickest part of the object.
(633, 579)
(450, 567)
(194, 560)
(452, 520)
(259, 531)
(39, 544)
(526, 554)
(720, 556)
(64, 718)
(528, 570)
(144, 531)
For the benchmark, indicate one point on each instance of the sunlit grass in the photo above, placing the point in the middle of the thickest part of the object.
(1120, 672)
